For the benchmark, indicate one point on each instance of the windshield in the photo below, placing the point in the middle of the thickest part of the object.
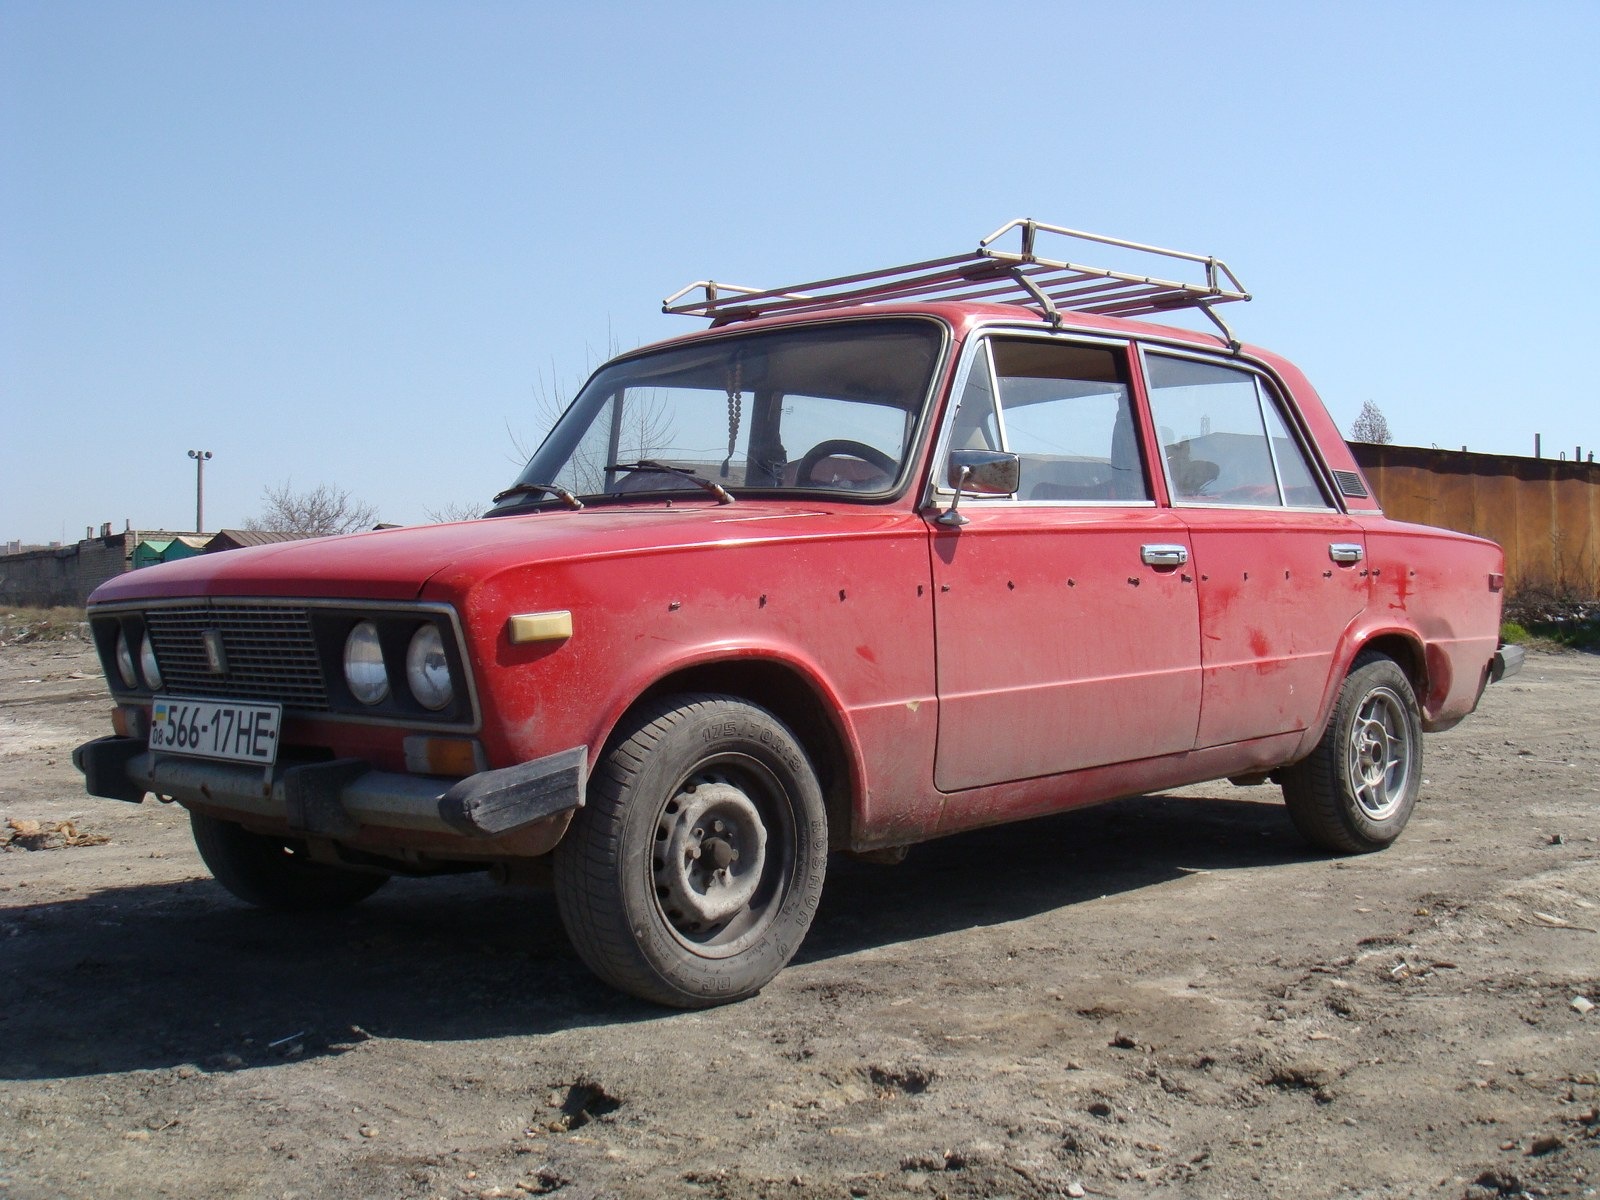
(829, 407)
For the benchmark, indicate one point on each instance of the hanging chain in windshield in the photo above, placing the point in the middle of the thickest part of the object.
(735, 409)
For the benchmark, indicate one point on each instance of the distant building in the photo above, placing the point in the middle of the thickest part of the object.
(59, 576)
(238, 539)
(152, 550)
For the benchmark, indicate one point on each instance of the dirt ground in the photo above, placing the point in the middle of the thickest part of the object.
(1166, 996)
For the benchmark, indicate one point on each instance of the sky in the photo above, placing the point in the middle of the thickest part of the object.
(374, 245)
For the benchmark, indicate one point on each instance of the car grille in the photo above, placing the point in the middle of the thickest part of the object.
(269, 653)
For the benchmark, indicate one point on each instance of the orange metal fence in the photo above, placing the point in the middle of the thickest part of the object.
(1544, 512)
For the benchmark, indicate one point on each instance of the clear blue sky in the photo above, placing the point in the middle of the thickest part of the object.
(352, 243)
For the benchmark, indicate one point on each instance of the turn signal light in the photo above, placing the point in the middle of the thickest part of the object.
(444, 756)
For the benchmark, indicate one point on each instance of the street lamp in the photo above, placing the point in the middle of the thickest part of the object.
(199, 457)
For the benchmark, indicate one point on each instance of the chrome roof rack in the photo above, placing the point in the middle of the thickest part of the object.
(989, 274)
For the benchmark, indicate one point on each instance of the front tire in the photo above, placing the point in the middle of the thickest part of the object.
(1355, 792)
(275, 873)
(692, 873)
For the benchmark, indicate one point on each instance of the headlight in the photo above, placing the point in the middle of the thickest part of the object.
(427, 669)
(148, 664)
(363, 664)
(130, 677)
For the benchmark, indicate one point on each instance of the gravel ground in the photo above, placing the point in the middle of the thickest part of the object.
(1165, 996)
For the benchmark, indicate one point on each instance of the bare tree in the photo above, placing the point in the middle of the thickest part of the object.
(320, 510)
(1371, 426)
(646, 429)
(455, 510)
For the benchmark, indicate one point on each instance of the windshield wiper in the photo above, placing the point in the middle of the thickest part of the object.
(529, 489)
(650, 464)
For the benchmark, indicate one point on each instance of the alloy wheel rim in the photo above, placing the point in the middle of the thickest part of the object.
(1380, 757)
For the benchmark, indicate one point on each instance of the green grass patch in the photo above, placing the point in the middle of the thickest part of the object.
(1551, 635)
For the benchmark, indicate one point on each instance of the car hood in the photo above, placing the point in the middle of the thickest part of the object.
(397, 564)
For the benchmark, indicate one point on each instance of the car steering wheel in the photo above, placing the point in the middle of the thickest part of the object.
(870, 455)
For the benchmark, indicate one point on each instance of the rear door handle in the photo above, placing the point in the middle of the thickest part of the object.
(1163, 555)
(1345, 552)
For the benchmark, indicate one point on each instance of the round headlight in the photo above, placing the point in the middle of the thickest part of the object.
(148, 664)
(363, 664)
(428, 670)
(130, 677)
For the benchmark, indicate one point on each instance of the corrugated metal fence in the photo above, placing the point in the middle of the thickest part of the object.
(1544, 512)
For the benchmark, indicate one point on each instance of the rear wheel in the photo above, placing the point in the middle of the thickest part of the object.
(692, 872)
(1355, 792)
(276, 873)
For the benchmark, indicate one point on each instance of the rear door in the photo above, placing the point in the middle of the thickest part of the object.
(1066, 618)
(1280, 570)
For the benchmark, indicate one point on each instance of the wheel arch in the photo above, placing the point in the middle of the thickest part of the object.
(1405, 649)
(797, 699)
(1403, 646)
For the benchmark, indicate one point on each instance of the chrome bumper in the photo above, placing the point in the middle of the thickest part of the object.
(335, 799)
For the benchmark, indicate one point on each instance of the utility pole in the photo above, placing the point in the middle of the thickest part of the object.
(199, 457)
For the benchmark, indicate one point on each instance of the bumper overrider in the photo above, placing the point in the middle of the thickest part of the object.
(337, 799)
(1506, 663)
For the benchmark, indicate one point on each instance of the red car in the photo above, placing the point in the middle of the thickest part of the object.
(870, 561)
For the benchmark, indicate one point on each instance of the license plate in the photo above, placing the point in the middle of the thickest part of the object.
(224, 729)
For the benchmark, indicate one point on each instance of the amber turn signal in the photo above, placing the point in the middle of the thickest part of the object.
(444, 756)
(539, 627)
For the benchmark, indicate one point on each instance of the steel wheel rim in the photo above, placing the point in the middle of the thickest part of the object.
(717, 890)
(1380, 757)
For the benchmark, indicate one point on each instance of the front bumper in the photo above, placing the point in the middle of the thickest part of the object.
(338, 799)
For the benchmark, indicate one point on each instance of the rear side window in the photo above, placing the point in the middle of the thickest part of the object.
(1223, 439)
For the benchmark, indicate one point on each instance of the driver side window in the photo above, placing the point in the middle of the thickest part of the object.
(1066, 410)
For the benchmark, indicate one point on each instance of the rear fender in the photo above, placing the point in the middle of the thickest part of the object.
(1405, 646)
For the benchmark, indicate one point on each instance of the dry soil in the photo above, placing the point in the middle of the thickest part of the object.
(1168, 996)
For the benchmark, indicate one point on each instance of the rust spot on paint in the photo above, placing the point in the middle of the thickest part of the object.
(1258, 643)
(866, 653)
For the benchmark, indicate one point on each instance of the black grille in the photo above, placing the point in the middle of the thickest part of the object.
(268, 652)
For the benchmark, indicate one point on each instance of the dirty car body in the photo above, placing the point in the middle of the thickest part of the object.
(832, 575)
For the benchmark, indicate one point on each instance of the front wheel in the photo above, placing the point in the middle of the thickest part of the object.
(272, 872)
(692, 873)
(1355, 792)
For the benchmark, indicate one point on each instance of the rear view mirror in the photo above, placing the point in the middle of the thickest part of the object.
(984, 472)
(980, 473)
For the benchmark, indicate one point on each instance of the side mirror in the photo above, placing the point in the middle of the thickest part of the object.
(979, 473)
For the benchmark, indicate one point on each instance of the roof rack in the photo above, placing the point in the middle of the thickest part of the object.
(989, 274)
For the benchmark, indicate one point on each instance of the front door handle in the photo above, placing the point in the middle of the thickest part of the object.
(1163, 555)
(1345, 552)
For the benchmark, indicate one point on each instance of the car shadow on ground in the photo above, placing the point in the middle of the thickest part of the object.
(157, 976)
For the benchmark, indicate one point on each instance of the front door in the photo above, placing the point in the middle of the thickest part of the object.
(1066, 616)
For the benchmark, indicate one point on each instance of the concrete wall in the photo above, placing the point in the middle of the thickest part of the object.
(1544, 512)
(63, 576)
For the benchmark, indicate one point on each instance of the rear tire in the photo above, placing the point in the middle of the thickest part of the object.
(275, 873)
(694, 868)
(1355, 792)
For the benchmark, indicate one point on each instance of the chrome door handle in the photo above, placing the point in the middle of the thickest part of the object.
(1345, 552)
(1161, 555)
